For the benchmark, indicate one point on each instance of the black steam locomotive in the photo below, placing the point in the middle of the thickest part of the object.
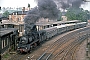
(27, 42)
(34, 38)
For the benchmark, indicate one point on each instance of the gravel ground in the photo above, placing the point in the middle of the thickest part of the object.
(81, 52)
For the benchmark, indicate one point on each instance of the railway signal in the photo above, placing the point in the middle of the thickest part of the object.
(87, 45)
(86, 51)
(0, 20)
(0, 7)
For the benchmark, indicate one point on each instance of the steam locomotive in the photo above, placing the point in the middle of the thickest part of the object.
(29, 41)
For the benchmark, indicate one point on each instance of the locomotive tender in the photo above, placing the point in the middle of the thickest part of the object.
(27, 42)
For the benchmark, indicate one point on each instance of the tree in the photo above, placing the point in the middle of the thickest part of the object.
(88, 14)
(59, 17)
(77, 14)
(6, 14)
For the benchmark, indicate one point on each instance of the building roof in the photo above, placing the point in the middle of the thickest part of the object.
(57, 22)
(10, 22)
(5, 31)
(19, 13)
(5, 18)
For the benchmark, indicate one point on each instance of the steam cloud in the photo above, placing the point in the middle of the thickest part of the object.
(46, 9)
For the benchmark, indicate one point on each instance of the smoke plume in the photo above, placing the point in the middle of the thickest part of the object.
(48, 9)
(64, 4)
(32, 16)
(29, 20)
(77, 3)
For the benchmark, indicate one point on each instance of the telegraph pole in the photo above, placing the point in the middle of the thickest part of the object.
(0, 16)
(87, 34)
(0, 7)
(87, 46)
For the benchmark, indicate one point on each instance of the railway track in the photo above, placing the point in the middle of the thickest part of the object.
(71, 51)
(54, 50)
(50, 53)
(55, 46)
(68, 53)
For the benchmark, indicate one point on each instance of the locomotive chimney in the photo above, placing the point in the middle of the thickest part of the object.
(23, 9)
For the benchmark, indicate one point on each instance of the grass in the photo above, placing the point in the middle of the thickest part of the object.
(6, 55)
(87, 58)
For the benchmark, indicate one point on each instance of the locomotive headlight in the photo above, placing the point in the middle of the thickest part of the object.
(26, 47)
(18, 47)
(24, 31)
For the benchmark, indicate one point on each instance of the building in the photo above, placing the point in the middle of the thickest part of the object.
(8, 39)
(64, 18)
(10, 24)
(88, 22)
(17, 16)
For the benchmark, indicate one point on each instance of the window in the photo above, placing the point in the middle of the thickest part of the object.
(2, 44)
(7, 40)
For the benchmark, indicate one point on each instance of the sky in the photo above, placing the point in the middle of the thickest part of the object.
(17, 3)
(24, 3)
(86, 6)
